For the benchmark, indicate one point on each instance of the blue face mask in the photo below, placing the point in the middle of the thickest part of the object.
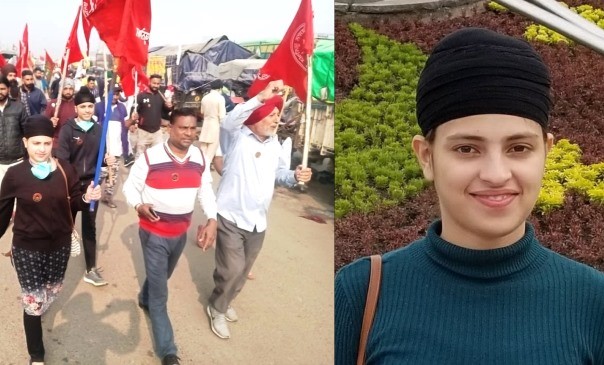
(41, 170)
(85, 124)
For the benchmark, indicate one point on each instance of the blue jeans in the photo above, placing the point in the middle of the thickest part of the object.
(161, 255)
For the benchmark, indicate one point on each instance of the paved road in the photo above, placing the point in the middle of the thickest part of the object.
(286, 314)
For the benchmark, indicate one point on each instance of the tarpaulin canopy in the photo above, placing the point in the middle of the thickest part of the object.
(238, 75)
(323, 67)
(199, 62)
(199, 69)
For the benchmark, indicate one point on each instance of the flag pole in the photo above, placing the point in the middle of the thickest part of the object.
(301, 185)
(101, 155)
(61, 84)
(106, 72)
(135, 89)
(107, 101)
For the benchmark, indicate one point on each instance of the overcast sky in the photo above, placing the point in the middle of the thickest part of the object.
(173, 21)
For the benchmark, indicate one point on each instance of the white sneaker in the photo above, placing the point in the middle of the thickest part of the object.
(231, 315)
(218, 322)
(94, 277)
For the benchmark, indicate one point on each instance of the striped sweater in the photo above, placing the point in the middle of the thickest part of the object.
(170, 184)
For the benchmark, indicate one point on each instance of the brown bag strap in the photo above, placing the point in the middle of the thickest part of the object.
(373, 292)
(67, 190)
(64, 178)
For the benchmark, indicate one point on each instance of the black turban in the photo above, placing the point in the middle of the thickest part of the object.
(38, 125)
(477, 71)
(83, 96)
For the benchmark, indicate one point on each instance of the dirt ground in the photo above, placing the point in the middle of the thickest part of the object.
(286, 313)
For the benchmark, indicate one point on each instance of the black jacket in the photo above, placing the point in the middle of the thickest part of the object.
(151, 110)
(80, 148)
(12, 121)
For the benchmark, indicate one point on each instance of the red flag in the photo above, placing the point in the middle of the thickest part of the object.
(133, 44)
(133, 41)
(2, 60)
(86, 26)
(124, 26)
(49, 66)
(105, 16)
(48, 62)
(126, 72)
(73, 46)
(23, 60)
(289, 60)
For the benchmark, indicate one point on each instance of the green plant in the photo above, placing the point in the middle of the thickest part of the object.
(375, 125)
(564, 172)
(540, 33)
(496, 7)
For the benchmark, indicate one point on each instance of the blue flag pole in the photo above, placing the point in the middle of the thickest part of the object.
(100, 157)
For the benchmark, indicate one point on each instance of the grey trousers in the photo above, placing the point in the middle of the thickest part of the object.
(236, 251)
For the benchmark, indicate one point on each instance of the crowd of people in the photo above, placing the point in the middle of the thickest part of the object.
(50, 140)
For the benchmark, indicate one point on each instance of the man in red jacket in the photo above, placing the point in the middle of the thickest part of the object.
(65, 112)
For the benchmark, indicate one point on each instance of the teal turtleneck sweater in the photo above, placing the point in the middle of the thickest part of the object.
(443, 304)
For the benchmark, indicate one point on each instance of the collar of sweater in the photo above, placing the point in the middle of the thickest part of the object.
(485, 264)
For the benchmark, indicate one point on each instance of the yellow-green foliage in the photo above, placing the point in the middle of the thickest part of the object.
(375, 125)
(496, 7)
(540, 33)
(565, 172)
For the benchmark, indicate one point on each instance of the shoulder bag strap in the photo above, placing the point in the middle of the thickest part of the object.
(373, 292)
(66, 188)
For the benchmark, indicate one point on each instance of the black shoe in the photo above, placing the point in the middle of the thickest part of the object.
(129, 161)
(143, 307)
(170, 360)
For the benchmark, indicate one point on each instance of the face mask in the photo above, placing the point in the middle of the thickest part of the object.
(41, 170)
(85, 124)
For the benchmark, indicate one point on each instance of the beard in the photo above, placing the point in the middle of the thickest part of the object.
(29, 86)
(3, 98)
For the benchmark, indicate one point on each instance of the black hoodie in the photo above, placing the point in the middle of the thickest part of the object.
(80, 148)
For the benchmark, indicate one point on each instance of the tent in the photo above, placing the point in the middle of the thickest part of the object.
(197, 63)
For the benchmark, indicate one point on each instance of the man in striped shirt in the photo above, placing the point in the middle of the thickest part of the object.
(162, 186)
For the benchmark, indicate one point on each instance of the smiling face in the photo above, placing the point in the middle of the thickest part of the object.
(487, 171)
(85, 111)
(38, 148)
(267, 126)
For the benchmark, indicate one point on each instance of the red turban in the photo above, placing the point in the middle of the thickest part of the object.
(268, 107)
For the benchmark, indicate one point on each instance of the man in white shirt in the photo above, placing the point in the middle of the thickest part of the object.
(214, 110)
(254, 162)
